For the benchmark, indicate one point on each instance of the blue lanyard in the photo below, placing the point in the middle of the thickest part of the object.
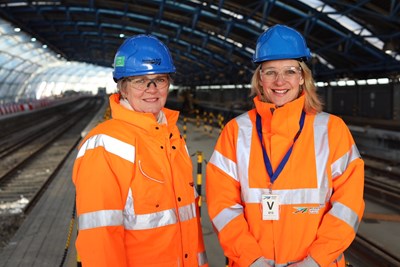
(273, 175)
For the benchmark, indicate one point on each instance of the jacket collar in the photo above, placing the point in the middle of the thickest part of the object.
(267, 109)
(282, 120)
(146, 121)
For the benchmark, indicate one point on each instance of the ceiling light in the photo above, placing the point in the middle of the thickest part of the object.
(389, 47)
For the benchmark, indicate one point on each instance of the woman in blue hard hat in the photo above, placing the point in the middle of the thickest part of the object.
(136, 200)
(284, 185)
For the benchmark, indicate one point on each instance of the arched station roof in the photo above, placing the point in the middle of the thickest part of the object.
(212, 42)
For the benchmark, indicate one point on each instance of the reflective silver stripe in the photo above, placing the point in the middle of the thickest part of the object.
(100, 218)
(310, 262)
(225, 164)
(133, 221)
(271, 262)
(345, 214)
(202, 258)
(151, 220)
(243, 157)
(339, 258)
(226, 216)
(321, 146)
(234, 170)
(111, 145)
(319, 195)
(341, 164)
(187, 212)
(290, 196)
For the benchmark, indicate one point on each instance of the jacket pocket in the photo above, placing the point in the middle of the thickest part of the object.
(150, 175)
(148, 187)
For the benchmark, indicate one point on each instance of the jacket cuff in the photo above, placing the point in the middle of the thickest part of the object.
(309, 262)
(247, 260)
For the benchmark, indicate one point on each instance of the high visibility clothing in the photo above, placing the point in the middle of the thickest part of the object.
(136, 200)
(320, 188)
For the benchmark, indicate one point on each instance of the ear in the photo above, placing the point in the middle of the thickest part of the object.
(301, 82)
(260, 89)
(122, 92)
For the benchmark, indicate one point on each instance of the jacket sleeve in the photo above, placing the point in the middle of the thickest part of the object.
(340, 223)
(224, 203)
(101, 190)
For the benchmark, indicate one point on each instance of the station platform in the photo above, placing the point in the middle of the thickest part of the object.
(47, 236)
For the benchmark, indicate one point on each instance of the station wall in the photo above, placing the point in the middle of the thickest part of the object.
(368, 101)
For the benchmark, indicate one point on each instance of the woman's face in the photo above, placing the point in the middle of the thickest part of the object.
(281, 81)
(147, 93)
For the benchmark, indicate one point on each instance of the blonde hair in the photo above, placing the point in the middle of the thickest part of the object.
(312, 103)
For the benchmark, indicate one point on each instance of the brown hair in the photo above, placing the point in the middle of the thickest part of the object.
(312, 104)
(121, 86)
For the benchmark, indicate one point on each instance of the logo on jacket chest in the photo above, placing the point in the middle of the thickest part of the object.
(310, 210)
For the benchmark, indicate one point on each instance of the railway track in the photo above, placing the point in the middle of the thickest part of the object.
(34, 155)
(382, 182)
(382, 186)
(372, 254)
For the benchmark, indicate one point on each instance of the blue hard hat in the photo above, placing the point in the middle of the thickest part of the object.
(140, 55)
(281, 42)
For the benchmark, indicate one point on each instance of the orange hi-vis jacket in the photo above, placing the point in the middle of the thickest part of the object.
(136, 200)
(320, 188)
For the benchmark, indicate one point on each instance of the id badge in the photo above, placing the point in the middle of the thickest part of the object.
(270, 207)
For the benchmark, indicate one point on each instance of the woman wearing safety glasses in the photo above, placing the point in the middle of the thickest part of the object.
(136, 200)
(284, 185)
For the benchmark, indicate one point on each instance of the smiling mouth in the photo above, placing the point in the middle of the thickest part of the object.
(150, 99)
(281, 91)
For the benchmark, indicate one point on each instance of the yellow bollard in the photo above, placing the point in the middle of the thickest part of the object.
(199, 177)
(205, 120)
(211, 121)
(220, 122)
(107, 114)
(78, 261)
(184, 128)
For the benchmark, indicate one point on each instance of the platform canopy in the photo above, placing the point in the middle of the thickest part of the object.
(212, 42)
